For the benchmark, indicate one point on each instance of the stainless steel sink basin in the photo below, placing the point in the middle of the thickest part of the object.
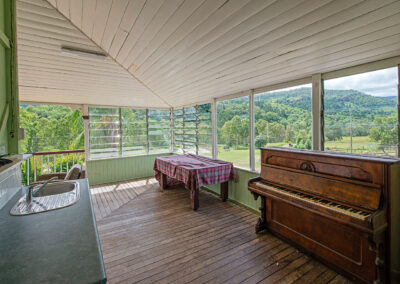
(55, 188)
(54, 195)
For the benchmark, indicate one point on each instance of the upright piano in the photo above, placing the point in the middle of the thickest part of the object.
(342, 209)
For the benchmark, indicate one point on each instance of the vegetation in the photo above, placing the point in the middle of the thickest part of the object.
(51, 128)
(284, 119)
(354, 122)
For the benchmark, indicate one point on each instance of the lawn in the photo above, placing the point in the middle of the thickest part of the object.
(361, 145)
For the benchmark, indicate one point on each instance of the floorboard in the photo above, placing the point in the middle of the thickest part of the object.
(153, 236)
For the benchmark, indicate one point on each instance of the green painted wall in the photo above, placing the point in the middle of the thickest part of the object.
(8, 79)
(3, 83)
(119, 169)
(238, 191)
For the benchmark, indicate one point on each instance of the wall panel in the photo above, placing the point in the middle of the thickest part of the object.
(119, 169)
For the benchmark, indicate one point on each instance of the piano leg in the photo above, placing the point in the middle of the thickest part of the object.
(377, 245)
(262, 221)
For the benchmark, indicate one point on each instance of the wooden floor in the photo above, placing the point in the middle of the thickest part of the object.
(149, 236)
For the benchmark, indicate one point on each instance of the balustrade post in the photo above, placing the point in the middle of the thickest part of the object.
(34, 168)
(27, 170)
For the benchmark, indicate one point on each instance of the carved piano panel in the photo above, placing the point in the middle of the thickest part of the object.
(334, 206)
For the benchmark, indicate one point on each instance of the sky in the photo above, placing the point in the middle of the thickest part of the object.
(379, 83)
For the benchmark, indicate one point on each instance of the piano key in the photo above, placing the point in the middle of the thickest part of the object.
(316, 200)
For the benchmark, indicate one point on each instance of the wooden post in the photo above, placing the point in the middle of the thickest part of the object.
(252, 141)
(172, 129)
(214, 129)
(147, 132)
(224, 191)
(120, 131)
(398, 111)
(317, 112)
(85, 115)
(197, 129)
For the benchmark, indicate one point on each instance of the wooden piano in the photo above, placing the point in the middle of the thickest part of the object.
(336, 207)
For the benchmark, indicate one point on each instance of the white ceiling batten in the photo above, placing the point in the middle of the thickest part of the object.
(59, 64)
(181, 52)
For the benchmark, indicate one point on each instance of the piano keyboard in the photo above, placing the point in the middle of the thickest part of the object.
(315, 200)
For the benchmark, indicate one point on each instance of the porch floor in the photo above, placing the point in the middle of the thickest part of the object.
(149, 236)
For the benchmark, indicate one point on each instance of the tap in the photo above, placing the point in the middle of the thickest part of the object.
(30, 189)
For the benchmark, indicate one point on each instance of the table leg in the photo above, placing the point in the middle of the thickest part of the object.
(163, 181)
(224, 191)
(195, 196)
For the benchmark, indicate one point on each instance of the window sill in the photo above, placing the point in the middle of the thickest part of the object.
(130, 156)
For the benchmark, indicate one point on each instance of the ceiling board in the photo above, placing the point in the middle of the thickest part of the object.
(48, 75)
(188, 51)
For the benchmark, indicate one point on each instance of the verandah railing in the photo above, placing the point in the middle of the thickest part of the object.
(50, 162)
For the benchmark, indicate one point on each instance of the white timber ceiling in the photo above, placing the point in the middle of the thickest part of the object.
(47, 75)
(180, 52)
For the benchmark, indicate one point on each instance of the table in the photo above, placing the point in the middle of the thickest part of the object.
(193, 171)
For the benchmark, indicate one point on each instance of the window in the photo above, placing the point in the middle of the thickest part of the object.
(189, 130)
(159, 131)
(178, 131)
(193, 130)
(204, 130)
(104, 132)
(283, 118)
(134, 131)
(115, 132)
(360, 113)
(233, 131)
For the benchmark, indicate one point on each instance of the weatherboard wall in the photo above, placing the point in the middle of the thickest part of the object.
(238, 191)
(119, 169)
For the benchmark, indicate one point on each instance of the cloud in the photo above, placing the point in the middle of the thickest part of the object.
(379, 83)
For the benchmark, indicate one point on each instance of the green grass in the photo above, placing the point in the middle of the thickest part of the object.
(361, 145)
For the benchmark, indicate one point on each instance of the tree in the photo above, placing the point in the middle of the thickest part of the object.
(334, 133)
(260, 141)
(385, 130)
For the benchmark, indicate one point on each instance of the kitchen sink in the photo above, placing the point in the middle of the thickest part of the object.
(55, 188)
(47, 197)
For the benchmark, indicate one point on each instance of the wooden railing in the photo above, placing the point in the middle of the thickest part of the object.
(51, 162)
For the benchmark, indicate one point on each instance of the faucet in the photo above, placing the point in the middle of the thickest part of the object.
(30, 189)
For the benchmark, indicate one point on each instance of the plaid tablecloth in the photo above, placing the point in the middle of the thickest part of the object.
(184, 168)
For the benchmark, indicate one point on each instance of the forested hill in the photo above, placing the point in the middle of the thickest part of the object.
(335, 101)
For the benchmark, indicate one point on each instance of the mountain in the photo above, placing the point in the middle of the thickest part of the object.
(335, 101)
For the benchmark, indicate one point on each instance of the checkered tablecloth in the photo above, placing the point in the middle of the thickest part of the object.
(184, 168)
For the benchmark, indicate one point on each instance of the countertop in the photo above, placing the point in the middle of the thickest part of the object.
(16, 159)
(59, 246)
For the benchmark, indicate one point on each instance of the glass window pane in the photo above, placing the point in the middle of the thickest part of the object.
(178, 131)
(159, 131)
(360, 113)
(233, 131)
(189, 130)
(283, 119)
(205, 130)
(134, 132)
(104, 133)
